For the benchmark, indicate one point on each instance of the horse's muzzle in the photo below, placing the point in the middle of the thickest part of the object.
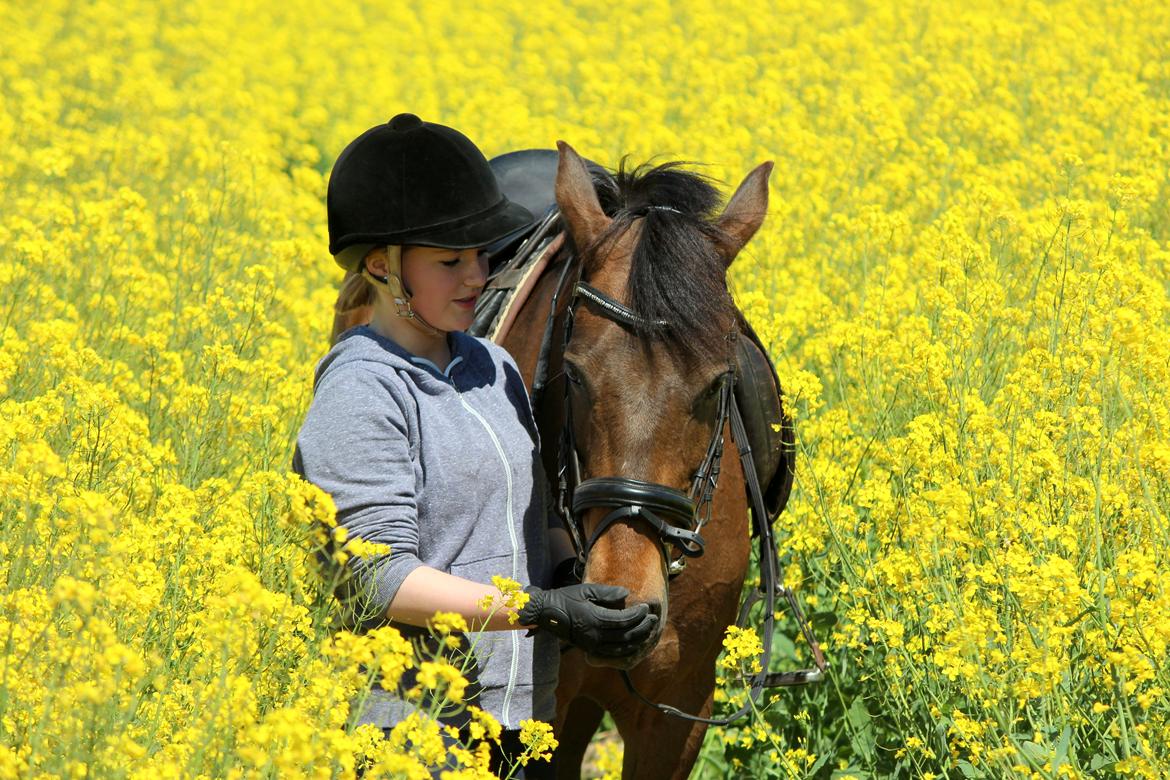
(629, 656)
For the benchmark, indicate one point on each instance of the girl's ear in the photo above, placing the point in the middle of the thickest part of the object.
(374, 261)
(383, 261)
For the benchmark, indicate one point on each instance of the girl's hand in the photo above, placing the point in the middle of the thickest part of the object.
(588, 616)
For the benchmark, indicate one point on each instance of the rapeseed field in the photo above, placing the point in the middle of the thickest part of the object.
(963, 277)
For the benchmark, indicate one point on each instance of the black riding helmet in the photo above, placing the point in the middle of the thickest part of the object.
(415, 182)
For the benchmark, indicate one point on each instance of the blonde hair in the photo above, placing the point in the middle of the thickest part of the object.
(357, 295)
(356, 292)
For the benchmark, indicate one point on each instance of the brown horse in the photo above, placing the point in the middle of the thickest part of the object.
(641, 377)
(643, 397)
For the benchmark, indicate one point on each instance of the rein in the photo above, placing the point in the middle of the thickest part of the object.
(652, 502)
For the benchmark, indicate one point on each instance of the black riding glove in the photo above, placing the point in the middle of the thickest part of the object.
(587, 616)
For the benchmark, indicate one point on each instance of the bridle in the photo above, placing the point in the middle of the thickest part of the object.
(636, 498)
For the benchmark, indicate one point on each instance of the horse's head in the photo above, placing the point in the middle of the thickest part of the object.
(646, 363)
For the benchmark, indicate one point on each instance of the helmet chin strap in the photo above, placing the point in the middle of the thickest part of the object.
(394, 285)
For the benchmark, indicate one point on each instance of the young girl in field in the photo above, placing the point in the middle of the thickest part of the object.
(424, 436)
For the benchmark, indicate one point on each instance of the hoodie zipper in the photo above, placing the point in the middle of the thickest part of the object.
(508, 691)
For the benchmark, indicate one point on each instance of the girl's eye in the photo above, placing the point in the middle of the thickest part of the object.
(454, 261)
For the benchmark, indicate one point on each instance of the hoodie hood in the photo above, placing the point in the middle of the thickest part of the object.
(469, 358)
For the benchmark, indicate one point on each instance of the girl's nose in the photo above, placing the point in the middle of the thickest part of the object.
(479, 271)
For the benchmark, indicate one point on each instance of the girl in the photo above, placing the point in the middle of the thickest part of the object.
(424, 436)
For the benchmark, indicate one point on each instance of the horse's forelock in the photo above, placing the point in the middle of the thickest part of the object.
(676, 275)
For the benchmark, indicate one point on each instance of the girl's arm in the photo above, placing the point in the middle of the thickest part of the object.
(589, 616)
(426, 591)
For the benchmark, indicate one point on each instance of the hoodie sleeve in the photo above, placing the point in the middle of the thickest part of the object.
(355, 444)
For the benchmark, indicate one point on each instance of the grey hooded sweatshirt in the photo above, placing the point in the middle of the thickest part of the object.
(444, 468)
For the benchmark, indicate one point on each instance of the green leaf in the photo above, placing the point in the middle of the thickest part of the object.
(823, 620)
(850, 771)
(862, 722)
(858, 714)
(783, 646)
(824, 759)
(1101, 762)
(1061, 755)
(967, 769)
(1036, 752)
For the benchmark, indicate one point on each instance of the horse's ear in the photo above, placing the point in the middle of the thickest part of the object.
(745, 212)
(576, 197)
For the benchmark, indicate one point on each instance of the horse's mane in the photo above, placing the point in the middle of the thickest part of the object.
(676, 276)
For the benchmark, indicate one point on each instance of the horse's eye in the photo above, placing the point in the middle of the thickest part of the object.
(708, 397)
(571, 374)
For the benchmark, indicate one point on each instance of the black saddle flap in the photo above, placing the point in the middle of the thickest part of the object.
(770, 431)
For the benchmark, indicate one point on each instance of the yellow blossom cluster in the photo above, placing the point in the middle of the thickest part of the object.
(511, 598)
(742, 651)
(963, 277)
(970, 302)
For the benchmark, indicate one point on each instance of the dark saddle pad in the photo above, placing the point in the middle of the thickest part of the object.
(770, 430)
(527, 177)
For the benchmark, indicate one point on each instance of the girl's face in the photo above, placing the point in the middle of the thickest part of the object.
(444, 283)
